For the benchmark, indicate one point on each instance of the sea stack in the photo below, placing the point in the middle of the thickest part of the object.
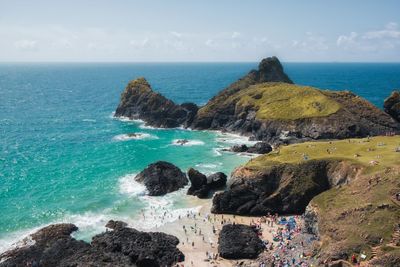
(161, 178)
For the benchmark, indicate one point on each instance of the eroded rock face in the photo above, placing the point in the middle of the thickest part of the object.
(239, 242)
(53, 246)
(392, 105)
(139, 101)
(201, 185)
(283, 188)
(258, 148)
(161, 178)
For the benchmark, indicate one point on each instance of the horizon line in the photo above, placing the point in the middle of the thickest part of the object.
(169, 62)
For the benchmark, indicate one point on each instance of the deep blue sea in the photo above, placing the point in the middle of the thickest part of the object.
(64, 158)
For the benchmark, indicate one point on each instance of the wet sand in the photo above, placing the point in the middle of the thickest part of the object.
(198, 234)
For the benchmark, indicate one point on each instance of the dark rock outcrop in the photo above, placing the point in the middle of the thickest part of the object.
(282, 188)
(258, 148)
(238, 241)
(392, 105)
(201, 185)
(139, 101)
(54, 246)
(217, 180)
(161, 178)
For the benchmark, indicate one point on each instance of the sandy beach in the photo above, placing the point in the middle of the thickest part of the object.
(198, 234)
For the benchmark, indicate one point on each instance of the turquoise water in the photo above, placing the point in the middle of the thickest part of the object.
(64, 158)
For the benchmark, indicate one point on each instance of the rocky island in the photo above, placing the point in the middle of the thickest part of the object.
(264, 105)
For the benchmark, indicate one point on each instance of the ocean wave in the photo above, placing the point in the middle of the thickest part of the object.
(217, 151)
(133, 136)
(128, 186)
(185, 142)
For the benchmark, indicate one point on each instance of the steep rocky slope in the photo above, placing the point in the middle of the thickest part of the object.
(139, 101)
(347, 189)
(281, 112)
(265, 105)
(392, 105)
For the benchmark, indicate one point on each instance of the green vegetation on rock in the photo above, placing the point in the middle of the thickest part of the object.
(282, 101)
(279, 101)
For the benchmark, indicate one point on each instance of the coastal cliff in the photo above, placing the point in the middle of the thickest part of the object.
(345, 189)
(264, 105)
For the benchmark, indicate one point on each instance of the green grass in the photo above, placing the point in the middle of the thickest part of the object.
(278, 101)
(361, 212)
(380, 149)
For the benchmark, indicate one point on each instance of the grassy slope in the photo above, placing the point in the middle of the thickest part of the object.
(380, 148)
(279, 101)
(350, 217)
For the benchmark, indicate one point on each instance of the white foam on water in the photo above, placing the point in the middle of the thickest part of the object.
(88, 120)
(177, 142)
(234, 139)
(217, 151)
(208, 165)
(124, 118)
(134, 136)
(17, 239)
(128, 186)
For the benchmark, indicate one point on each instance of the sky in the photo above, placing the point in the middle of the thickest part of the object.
(206, 30)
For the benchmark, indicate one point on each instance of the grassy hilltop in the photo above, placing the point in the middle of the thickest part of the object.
(361, 216)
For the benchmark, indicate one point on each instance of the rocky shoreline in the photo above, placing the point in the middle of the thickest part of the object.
(316, 181)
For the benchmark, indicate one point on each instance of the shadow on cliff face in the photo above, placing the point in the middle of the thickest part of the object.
(282, 188)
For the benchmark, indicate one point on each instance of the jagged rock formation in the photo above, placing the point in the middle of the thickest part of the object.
(258, 148)
(281, 188)
(286, 113)
(139, 101)
(54, 246)
(392, 105)
(201, 185)
(264, 105)
(161, 178)
(238, 241)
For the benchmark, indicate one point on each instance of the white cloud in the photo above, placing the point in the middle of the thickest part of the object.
(26, 44)
(176, 34)
(139, 43)
(210, 43)
(235, 35)
(347, 40)
(387, 38)
(311, 42)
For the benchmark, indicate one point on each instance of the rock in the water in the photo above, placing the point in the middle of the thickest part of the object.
(238, 241)
(161, 178)
(239, 148)
(139, 101)
(201, 185)
(258, 148)
(392, 105)
(282, 188)
(53, 246)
